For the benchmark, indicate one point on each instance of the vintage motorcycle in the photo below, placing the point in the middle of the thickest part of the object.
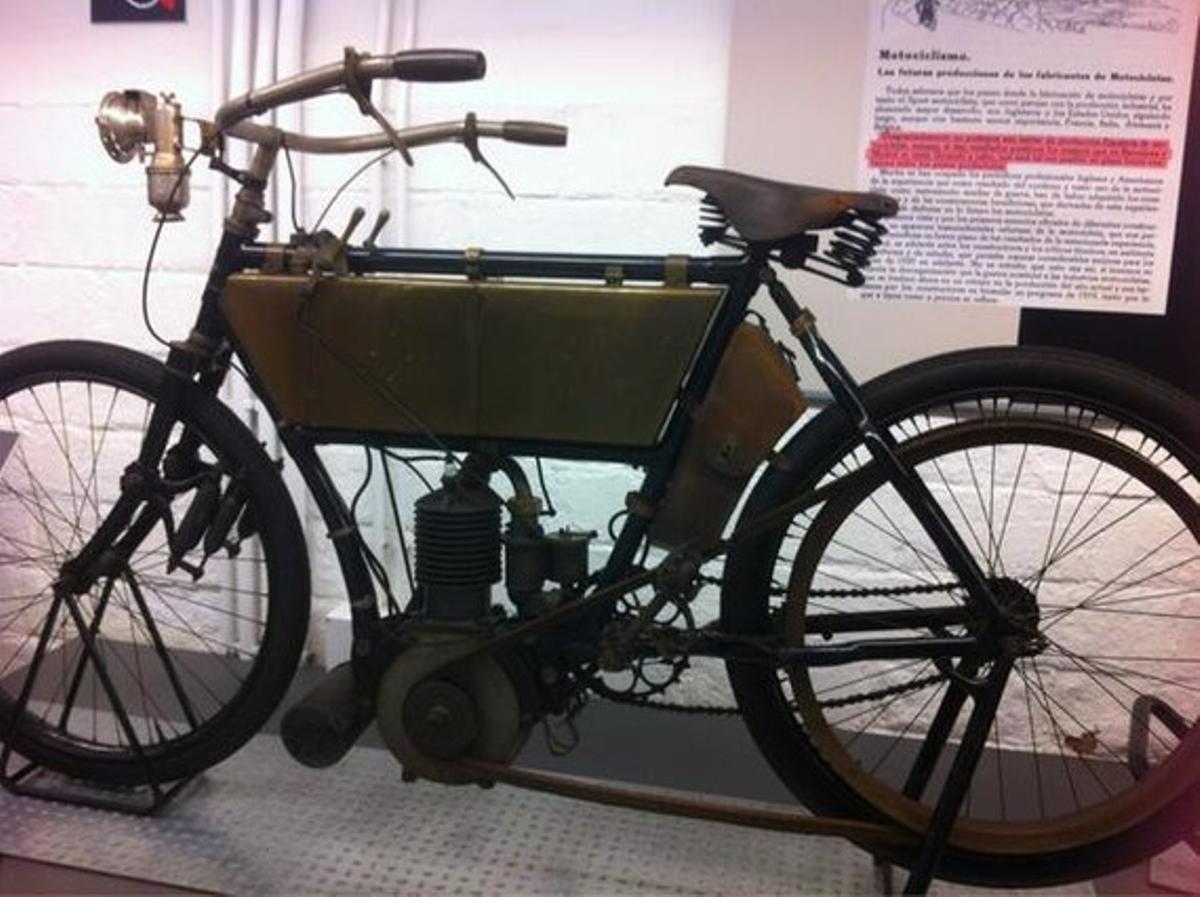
(954, 607)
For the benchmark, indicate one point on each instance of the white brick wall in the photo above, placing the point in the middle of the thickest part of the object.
(74, 227)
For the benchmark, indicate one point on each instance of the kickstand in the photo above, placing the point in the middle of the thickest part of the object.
(958, 781)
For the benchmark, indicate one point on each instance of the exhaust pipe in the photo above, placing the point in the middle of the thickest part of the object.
(323, 725)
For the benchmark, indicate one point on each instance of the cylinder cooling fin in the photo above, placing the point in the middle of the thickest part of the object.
(458, 550)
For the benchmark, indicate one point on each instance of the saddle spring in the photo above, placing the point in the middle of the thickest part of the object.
(715, 227)
(856, 237)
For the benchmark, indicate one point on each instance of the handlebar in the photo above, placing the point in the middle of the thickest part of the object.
(129, 121)
(530, 132)
(407, 65)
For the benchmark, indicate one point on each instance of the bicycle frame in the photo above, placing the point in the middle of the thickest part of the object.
(205, 356)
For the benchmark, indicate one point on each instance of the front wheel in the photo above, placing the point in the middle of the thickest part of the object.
(1074, 483)
(197, 645)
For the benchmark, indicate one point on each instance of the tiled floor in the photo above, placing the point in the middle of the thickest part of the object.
(618, 742)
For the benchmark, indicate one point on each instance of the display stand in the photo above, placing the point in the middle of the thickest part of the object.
(33, 780)
(1146, 708)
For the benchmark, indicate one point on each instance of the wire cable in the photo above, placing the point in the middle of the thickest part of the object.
(162, 220)
(362, 486)
(550, 511)
(378, 571)
(408, 462)
(287, 157)
(387, 476)
(346, 183)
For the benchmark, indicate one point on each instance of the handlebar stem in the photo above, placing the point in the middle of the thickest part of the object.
(249, 206)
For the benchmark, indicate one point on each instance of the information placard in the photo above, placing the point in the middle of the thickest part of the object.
(1035, 147)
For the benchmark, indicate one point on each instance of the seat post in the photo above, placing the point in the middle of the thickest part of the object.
(782, 296)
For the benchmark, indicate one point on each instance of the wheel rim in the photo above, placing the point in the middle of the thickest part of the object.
(179, 652)
(870, 745)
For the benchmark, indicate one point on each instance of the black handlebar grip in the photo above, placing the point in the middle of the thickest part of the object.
(439, 65)
(539, 133)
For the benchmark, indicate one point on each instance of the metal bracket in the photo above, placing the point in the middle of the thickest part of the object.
(675, 271)
(639, 506)
(803, 324)
(473, 258)
(1145, 707)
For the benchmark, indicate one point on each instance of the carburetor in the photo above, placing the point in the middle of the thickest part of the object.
(532, 556)
(129, 121)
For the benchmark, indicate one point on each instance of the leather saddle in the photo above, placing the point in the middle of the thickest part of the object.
(764, 211)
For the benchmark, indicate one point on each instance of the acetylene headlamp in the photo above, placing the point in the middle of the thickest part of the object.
(128, 122)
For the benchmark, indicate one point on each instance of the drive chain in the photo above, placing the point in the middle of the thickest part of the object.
(856, 698)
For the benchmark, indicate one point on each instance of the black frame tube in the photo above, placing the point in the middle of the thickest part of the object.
(717, 269)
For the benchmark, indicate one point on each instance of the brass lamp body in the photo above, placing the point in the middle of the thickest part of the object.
(130, 120)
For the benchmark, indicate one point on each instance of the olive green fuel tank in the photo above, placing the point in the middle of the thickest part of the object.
(542, 361)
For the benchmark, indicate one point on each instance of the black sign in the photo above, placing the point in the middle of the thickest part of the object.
(139, 10)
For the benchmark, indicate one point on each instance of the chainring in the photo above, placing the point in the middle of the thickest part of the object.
(640, 681)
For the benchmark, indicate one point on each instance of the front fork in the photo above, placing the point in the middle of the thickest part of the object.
(202, 358)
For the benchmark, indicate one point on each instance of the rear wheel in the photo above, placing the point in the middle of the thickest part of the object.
(1074, 483)
(198, 649)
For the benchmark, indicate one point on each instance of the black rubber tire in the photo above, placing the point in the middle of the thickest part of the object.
(1160, 409)
(283, 548)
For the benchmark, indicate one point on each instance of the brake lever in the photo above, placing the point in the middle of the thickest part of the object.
(470, 140)
(360, 89)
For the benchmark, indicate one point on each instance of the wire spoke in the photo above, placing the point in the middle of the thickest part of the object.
(1085, 761)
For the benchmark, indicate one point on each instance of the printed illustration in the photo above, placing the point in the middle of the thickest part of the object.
(1071, 16)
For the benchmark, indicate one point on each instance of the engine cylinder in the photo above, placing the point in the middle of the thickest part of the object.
(458, 551)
